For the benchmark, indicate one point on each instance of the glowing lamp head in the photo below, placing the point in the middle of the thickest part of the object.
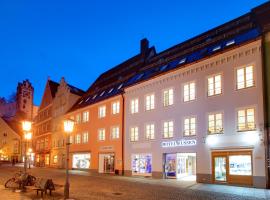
(30, 150)
(68, 126)
(26, 126)
(28, 136)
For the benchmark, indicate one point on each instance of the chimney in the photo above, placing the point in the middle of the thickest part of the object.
(144, 46)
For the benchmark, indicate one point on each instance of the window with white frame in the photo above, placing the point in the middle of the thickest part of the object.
(85, 137)
(115, 132)
(85, 117)
(168, 129)
(71, 139)
(246, 119)
(78, 118)
(78, 138)
(150, 131)
(115, 107)
(150, 102)
(102, 111)
(134, 106)
(101, 134)
(215, 123)
(168, 97)
(189, 126)
(245, 77)
(189, 91)
(214, 85)
(134, 134)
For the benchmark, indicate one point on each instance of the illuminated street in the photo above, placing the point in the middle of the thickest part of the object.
(86, 186)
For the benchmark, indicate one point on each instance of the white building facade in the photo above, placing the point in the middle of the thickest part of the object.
(203, 121)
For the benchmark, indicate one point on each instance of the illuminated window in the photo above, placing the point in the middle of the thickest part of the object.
(246, 119)
(102, 111)
(47, 159)
(189, 91)
(150, 131)
(134, 134)
(85, 137)
(190, 126)
(240, 165)
(168, 97)
(215, 124)
(78, 139)
(115, 132)
(78, 118)
(85, 116)
(115, 107)
(150, 102)
(168, 129)
(134, 106)
(70, 139)
(245, 77)
(55, 159)
(214, 85)
(101, 134)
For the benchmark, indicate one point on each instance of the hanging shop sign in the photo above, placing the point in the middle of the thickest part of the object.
(178, 143)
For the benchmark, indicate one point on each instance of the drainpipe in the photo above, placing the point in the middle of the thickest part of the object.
(266, 79)
(123, 130)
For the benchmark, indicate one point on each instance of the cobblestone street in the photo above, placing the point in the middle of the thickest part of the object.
(87, 186)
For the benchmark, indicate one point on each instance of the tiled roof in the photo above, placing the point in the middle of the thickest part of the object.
(137, 69)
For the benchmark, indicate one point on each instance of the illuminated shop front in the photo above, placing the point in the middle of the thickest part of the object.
(106, 163)
(233, 167)
(141, 164)
(81, 161)
(180, 166)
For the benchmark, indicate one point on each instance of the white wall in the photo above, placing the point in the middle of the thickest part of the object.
(228, 103)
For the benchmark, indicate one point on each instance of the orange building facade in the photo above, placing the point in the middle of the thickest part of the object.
(97, 141)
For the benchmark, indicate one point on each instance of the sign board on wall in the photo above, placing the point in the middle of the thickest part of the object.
(178, 143)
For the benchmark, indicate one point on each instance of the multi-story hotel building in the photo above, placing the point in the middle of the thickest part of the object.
(196, 111)
(65, 97)
(48, 133)
(200, 110)
(97, 142)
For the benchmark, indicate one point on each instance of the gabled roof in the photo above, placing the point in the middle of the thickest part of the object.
(230, 35)
(111, 82)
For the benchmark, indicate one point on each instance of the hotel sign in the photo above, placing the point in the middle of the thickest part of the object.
(178, 143)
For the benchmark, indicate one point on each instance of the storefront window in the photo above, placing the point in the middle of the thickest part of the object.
(81, 161)
(240, 165)
(142, 164)
(170, 168)
(220, 168)
(47, 159)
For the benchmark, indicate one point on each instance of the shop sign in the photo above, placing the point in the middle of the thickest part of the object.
(178, 143)
(106, 148)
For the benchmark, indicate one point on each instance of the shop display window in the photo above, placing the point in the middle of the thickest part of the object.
(240, 165)
(142, 164)
(81, 161)
(170, 167)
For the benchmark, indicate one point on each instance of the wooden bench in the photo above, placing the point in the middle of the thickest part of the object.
(42, 185)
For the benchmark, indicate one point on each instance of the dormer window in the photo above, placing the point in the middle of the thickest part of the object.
(110, 90)
(94, 97)
(120, 86)
(102, 93)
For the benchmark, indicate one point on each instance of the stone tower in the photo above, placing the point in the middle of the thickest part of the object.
(24, 98)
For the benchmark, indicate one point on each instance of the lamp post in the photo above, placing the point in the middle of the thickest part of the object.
(26, 126)
(68, 128)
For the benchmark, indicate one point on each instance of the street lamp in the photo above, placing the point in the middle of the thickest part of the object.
(26, 126)
(68, 128)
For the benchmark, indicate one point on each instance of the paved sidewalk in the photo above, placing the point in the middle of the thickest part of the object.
(87, 186)
(6, 194)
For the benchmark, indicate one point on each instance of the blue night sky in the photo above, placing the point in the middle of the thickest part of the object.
(81, 39)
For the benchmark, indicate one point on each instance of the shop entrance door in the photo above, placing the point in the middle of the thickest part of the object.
(220, 171)
(106, 163)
